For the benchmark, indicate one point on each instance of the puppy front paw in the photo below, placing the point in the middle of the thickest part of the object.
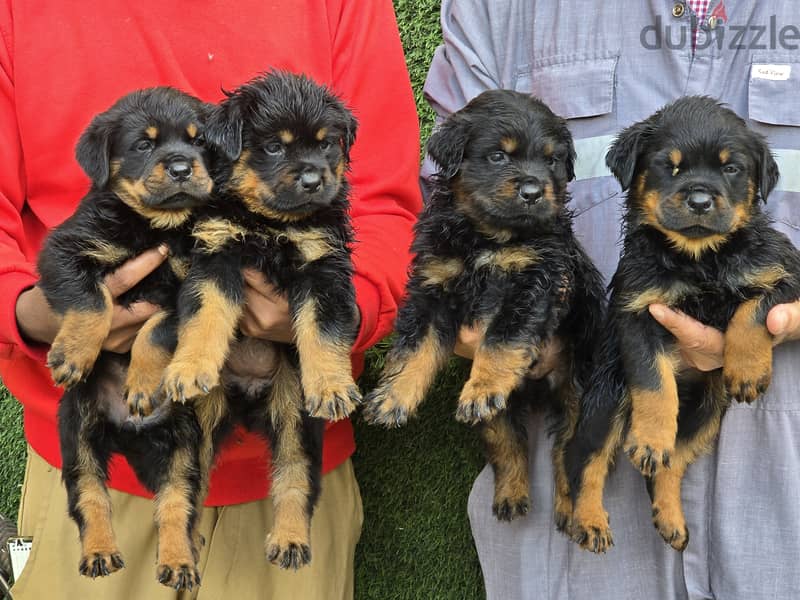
(671, 526)
(287, 553)
(648, 457)
(508, 508)
(333, 401)
(183, 576)
(183, 381)
(593, 534)
(480, 401)
(68, 367)
(383, 407)
(101, 563)
(746, 383)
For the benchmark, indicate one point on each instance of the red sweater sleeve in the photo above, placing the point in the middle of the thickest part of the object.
(369, 73)
(17, 271)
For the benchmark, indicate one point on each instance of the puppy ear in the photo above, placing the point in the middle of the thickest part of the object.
(624, 152)
(224, 129)
(349, 137)
(93, 150)
(768, 173)
(446, 145)
(571, 154)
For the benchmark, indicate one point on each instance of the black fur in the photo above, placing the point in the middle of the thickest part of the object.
(706, 255)
(494, 249)
(106, 230)
(282, 209)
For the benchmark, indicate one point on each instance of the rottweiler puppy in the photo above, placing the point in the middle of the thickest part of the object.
(494, 249)
(148, 162)
(281, 207)
(696, 239)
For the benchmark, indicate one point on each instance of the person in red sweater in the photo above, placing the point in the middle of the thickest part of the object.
(62, 64)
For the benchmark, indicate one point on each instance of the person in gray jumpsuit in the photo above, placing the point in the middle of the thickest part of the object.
(603, 66)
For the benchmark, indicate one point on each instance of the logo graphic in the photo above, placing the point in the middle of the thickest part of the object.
(719, 15)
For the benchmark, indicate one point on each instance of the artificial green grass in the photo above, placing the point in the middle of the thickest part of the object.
(414, 481)
(12, 453)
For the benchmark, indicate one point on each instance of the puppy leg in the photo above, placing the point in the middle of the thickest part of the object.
(747, 362)
(150, 356)
(648, 358)
(209, 307)
(700, 420)
(294, 484)
(506, 445)
(84, 470)
(565, 429)
(79, 340)
(177, 502)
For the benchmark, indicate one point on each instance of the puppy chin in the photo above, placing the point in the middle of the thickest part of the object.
(176, 201)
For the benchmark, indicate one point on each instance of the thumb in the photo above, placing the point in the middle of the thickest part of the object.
(691, 334)
(134, 270)
(783, 321)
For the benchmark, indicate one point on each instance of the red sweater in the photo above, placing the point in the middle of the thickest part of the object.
(62, 62)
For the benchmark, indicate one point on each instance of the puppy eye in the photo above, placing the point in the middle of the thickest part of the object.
(143, 146)
(274, 148)
(325, 145)
(498, 158)
(730, 169)
(200, 140)
(552, 161)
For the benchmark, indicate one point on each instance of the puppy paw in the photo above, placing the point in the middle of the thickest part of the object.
(287, 553)
(648, 459)
(69, 368)
(671, 527)
(185, 381)
(480, 402)
(383, 407)
(592, 534)
(333, 402)
(178, 576)
(100, 564)
(746, 383)
(508, 509)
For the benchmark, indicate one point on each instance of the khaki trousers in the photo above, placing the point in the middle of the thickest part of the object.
(232, 563)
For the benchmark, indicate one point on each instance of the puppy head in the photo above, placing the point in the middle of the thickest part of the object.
(507, 158)
(289, 141)
(149, 148)
(693, 171)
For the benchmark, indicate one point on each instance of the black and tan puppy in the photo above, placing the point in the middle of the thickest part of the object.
(494, 249)
(696, 240)
(148, 165)
(281, 208)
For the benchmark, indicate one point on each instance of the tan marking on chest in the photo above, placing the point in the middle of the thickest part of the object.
(507, 259)
(438, 271)
(215, 233)
(670, 296)
(312, 244)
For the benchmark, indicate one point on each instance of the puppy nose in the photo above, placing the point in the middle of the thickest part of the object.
(699, 202)
(311, 181)
(179, 169)
(530, 192)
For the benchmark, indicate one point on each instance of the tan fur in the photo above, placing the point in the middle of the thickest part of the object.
(203, 343)
(654, 416)
(148, 362)
(151, 132)
(325, 366)
(79, 340)
(286, 136)
(509, 145)
(496, 371)
(321, 133)
(214, 233)
(439, 271)
(636, 303)
(510, 461)
(747, 361)
(313, 244)
(411, 375)
(191, 129)
(510, 259)
(724, 155)
(105, 252)
(172, 512)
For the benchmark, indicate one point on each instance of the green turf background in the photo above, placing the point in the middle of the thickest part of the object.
(414, 481)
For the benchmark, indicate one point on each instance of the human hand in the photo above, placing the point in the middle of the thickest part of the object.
(702, 347)
(37, 321)
(469, 338)
(266, 312)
